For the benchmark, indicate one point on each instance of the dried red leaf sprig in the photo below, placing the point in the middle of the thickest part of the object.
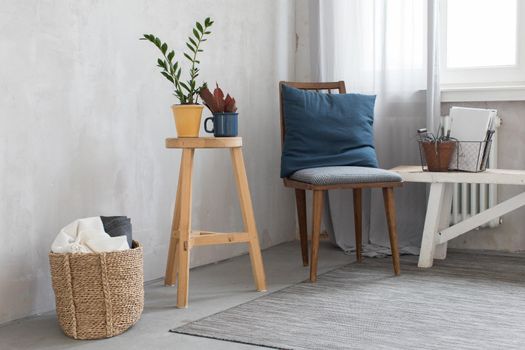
(216, 102)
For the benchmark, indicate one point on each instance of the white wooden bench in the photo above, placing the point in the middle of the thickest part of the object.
(436, 232)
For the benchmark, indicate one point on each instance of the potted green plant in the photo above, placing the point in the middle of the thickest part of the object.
(437, 151)
(188, 113)
(224, 110)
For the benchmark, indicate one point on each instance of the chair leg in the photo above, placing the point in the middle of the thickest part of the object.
(388, 195)
(358, 223)
(300, 199)
(317, 212)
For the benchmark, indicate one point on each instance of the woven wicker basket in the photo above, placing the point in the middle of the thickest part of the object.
(98, 295)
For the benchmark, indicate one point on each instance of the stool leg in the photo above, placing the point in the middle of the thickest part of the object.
(171, 265)
(248, 218)
(431, 228)
(440, 251)
(183, 248)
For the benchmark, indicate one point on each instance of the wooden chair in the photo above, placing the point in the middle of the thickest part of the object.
(319, 190)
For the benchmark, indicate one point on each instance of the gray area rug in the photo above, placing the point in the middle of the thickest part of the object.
(468, 301)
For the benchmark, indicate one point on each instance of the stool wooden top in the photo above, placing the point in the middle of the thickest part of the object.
(204, 142)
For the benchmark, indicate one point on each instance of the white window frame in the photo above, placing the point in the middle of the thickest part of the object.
(501, 83)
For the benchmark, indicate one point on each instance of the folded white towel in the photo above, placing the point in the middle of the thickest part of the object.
(87, 236)
(108, 244)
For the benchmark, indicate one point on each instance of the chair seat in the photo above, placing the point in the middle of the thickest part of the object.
(344, 175)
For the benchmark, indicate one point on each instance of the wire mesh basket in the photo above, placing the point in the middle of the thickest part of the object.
(469, 156)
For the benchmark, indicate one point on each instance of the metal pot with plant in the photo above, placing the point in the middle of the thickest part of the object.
(188, 113)
(224, 110)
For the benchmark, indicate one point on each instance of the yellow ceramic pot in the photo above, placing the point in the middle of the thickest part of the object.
(187, 119)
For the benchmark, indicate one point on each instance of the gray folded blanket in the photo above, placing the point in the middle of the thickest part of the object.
(118, 226)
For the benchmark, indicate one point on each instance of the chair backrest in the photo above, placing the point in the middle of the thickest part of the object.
(336, 85)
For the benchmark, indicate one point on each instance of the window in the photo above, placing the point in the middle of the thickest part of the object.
(483, 43)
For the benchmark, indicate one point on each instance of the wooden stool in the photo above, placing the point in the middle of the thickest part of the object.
(183, 239)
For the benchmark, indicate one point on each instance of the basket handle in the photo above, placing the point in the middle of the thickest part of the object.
(107, 294)
(69, 284)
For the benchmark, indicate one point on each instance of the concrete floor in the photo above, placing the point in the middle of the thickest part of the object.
(213, 288)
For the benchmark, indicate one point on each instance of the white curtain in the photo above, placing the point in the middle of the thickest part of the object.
(386, 48)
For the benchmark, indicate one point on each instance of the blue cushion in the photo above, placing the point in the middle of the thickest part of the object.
(326, 130)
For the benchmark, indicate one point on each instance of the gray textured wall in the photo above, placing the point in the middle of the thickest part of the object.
(83, 118)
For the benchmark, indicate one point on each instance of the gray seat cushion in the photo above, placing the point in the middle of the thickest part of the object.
(344, 175)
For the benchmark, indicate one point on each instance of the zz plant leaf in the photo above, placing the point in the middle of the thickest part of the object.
(186, 92)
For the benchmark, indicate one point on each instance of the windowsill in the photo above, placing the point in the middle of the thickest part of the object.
(466, 93)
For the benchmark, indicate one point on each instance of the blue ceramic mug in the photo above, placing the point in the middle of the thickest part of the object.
(224, 124)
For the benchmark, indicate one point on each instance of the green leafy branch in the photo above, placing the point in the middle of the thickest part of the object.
(187, 91)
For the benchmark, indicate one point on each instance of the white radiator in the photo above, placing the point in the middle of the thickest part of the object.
(471, 199)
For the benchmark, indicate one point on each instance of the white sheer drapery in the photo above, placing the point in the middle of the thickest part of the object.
(387, 48)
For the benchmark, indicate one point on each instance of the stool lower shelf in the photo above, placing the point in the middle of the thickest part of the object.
(198, 238)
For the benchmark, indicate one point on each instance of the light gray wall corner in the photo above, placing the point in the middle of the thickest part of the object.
(84, 114)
